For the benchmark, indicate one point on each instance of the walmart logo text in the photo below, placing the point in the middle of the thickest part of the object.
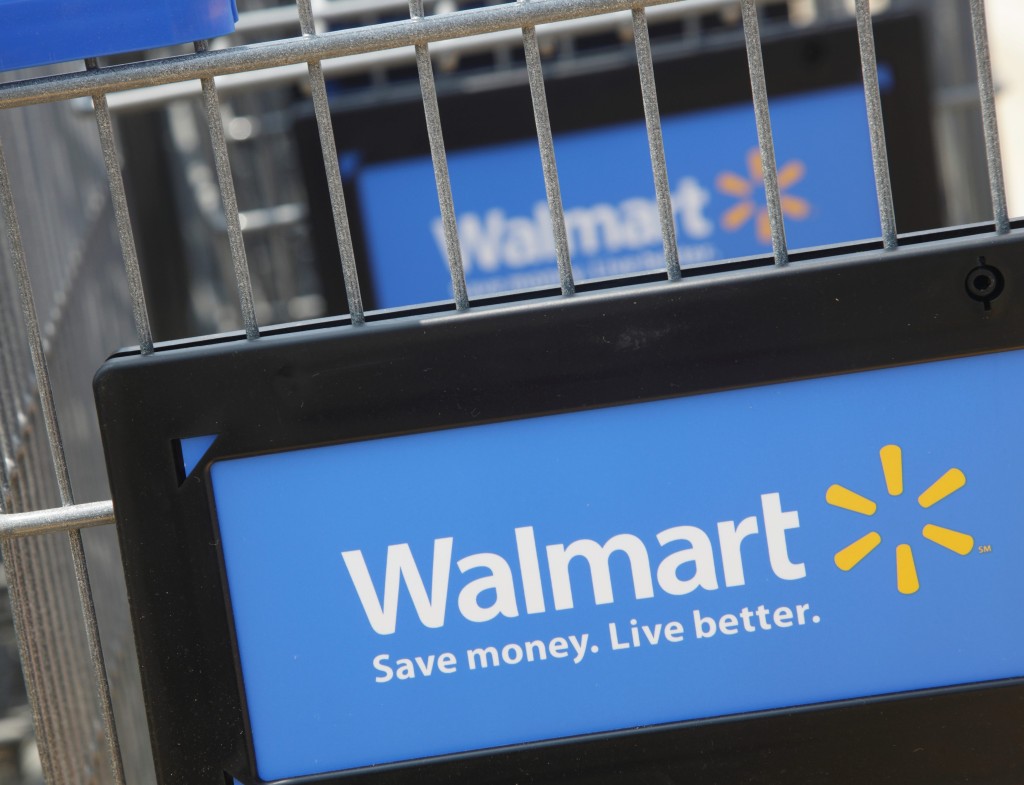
(494, 240)
(494, 592)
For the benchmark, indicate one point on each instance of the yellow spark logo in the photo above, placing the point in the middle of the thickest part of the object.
(744, 188)
(906, 571)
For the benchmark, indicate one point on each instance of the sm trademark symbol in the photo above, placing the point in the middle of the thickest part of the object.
(984, 549)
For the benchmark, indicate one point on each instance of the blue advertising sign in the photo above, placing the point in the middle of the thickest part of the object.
(825, 174)
(688, 558)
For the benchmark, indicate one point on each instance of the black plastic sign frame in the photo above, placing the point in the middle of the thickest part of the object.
(728, 326)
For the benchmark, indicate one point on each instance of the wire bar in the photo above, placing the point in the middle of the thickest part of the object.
(30, 658)
(92, 630)
(60, 466)
(642, 39)
(876, 126)
(552, 188)
(226, 181)
(121, 216)
(988, 116)
(9, 393)
(49, 664)
(282, 17)
(439, 157)
(342, 229)
(31, 323)
(74, 516)
(364, 62)
(752, 35)
(6, 450)
(341, 43)
(17, 577)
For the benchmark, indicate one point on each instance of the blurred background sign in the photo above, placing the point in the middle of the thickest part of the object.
(610, 209)
(819, 124)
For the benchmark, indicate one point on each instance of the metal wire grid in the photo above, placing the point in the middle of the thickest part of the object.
(266, 155)
(254, 26)
(74, 286)
(22, 531)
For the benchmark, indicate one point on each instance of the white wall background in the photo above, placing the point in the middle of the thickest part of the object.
(1006, 33)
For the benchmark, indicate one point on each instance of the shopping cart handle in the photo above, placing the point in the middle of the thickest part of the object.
(32, 34)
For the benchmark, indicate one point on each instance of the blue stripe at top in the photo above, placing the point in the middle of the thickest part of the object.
(41, 32)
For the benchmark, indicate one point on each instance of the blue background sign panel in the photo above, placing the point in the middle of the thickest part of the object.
(688, 558)
(824, 158)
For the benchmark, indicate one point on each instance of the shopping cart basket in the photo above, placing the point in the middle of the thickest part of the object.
(67, 666)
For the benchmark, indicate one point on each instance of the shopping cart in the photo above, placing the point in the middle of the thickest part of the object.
(57, 317)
